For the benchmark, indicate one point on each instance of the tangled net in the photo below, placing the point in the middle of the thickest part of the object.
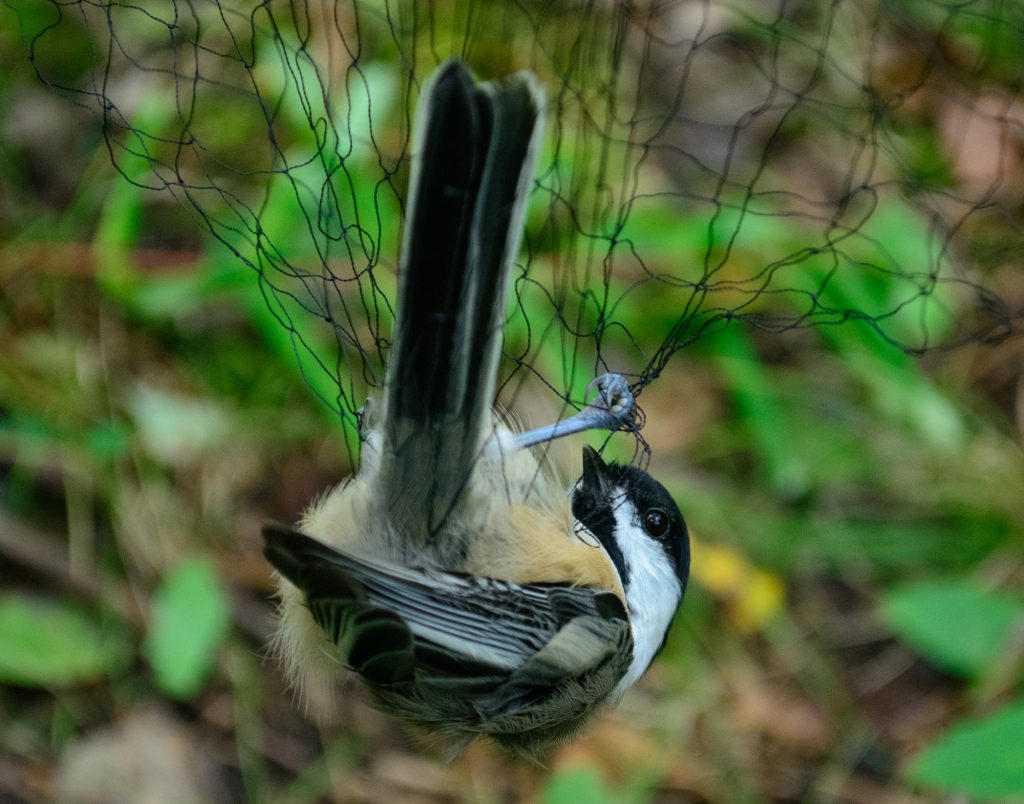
(786, 165)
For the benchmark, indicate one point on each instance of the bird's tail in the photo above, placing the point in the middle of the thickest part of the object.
(475, 145)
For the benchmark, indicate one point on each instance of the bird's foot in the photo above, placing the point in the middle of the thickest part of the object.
(613, 409)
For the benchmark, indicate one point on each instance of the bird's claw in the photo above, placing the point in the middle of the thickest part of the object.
(615, 396)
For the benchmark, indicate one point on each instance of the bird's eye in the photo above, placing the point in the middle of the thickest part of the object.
(656, 522)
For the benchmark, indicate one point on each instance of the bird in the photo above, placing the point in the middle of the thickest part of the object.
(474, 594)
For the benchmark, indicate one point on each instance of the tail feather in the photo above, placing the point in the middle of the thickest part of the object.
(496, 233)
(476, 144)
(425, 382)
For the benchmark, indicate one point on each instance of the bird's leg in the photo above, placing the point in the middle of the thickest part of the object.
(612, 409)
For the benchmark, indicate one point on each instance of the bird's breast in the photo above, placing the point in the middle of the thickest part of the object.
(535, 545)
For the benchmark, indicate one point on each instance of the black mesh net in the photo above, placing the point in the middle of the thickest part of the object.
(785, 165)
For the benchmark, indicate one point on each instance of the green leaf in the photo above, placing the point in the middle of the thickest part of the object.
(893, 546)
(769, 424)
(980, 758)
(577, 783)
(49, 643)
(189, 622)
(956, 624)
(108, 440)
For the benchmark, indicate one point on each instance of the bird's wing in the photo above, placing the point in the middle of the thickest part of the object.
(493, 622)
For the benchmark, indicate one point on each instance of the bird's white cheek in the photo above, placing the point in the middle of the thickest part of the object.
(653, 593)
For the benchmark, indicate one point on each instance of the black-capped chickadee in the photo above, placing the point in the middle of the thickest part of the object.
(473, 593)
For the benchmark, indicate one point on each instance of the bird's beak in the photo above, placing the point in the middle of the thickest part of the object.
(595, 471)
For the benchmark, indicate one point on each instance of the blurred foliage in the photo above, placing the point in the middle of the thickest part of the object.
(190, 621)
(575, 784)
(49, 643)
(958, 625)
(853, 630)
(981, 758)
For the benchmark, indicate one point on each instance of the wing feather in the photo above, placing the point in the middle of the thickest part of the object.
(499, 623)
